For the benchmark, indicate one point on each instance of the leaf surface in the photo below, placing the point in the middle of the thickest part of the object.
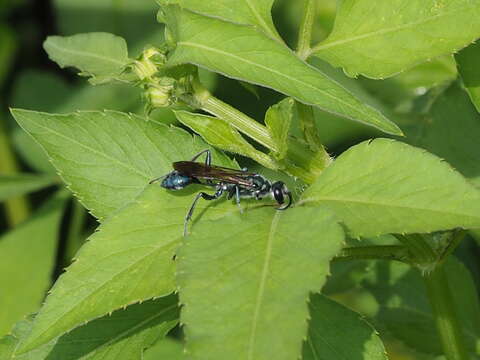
(165, 349)
(121, 335)
(27, 258)
(379, 40)
(129, 259)
(239, 268)
(102, 56)
(107, 158)
(406, 312)
(20, 184)
(220, 134)
(329, 322)
(243, 53)
(467, 61)
(278, 119)
(248, 12)
(385, 186)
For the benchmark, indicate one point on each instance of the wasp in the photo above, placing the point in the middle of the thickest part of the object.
(233, 183)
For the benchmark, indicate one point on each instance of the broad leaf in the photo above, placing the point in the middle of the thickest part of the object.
(384, 186)
(405, 310)
(107, 158)
(243, 53)
(379, 40)
(121, 335)
(20, 184)
(248, 12)
(328, 326)
(245, 280)
(468, 60)
(220, 134)
(102, 56)
(452, 131)
(130, 259)
(278, 119)
(27, 258)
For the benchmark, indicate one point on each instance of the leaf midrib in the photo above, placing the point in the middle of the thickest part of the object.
(326, 44)
(323, 198)
(261, 287)
(292, 79)
(85, 54)
(125, 165)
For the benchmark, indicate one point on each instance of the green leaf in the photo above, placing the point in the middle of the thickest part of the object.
(241, 52)
(385, 186)
(329, 323)
(278, 119)
(452, 130)
(121, 335)
(380, 40)
(20, 184)
(165, 349)
(102, 56)
(406, 312)
(248, 12)
(107, 158)
(130, 259)
(220, 134)
(468, 60)
(245, 280)
(27, 258)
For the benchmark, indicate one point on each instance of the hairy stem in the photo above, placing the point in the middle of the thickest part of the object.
(305, 31)
(17, 209)
(385, 252)
(441, 299)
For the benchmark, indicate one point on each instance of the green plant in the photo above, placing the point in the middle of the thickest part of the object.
(247, 286)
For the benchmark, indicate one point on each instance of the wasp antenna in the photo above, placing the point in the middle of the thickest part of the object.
(158, 179)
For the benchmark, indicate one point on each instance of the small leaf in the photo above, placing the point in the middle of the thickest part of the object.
(257, 13)
(107, 158)
(385, 186)
(20, 184)
(468, 60)
(327, 339)
(220, 134)
(406, 312)
(130, 259)
(245, 281)
(278, 119)
(102, 56)
(242, 53)
(380, 40)
(27, 258)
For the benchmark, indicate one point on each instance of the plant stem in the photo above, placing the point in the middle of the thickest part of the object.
(74, 239)
(17, 209)
(240, 121)
(441, 299)
(305, 31)
(385, 252)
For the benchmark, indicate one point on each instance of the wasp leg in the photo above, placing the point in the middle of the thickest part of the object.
(235, 190)
(208, 158)
(202, 195)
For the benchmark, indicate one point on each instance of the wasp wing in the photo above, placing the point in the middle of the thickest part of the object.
(202, 171)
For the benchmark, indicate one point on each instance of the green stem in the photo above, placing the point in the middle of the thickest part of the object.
(441, 299)
(384, 252)
(239, 120)
(305, 31)
(74, 238)
(17, 209)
